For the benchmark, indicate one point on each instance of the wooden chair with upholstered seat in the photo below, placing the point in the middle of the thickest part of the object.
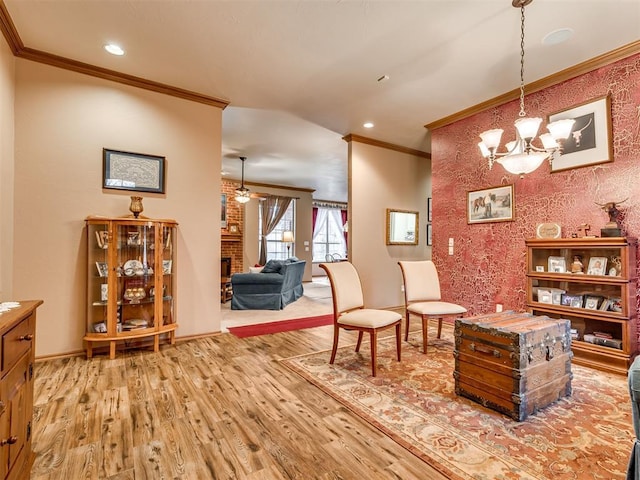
(349, 312)
(422, 296)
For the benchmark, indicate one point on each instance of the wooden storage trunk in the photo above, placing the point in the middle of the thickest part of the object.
(515, 363)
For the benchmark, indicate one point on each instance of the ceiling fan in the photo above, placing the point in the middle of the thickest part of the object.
(243, 194)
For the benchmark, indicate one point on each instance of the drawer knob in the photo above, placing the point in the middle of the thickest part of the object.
(26, 338)
(9, 441)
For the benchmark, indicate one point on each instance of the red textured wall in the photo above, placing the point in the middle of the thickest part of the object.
(488, 265)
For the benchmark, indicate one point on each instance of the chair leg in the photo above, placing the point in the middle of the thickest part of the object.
(398, 339)
(439, 326)
(425, 330)
(406, 330)
(374, 350)
(359, 341)
(336, 334)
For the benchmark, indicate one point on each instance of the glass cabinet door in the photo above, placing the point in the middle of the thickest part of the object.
(168, 273)
(136, 265)
(97, 277)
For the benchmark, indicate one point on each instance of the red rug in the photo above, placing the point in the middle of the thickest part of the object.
(281, 326)
(586, 436)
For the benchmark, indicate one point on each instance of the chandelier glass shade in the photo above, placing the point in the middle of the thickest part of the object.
(242, 193)
(521, 155)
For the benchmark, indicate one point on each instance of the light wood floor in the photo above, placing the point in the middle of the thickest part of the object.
(214, 408)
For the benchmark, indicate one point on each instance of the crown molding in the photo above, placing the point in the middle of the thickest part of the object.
(352, 137)
(567, 74)
(19, 50)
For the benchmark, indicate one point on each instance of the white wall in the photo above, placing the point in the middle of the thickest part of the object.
(381, 178)
(63, 120)
(7, 94)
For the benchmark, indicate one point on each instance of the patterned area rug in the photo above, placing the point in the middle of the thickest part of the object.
(586, 436)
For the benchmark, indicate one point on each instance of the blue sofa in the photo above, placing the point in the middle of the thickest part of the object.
(277, 285)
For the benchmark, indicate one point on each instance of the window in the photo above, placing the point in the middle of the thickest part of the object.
(328, 234)
(276, 248)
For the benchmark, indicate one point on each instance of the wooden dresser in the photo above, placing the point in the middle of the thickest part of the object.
(17, 350)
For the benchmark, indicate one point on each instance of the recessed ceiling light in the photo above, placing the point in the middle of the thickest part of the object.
(114, 49)
(367, 125)
(557, 36)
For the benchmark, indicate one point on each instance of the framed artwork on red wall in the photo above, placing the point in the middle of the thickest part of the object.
(590, 140)
(493, 204)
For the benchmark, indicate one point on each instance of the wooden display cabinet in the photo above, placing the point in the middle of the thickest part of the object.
(600, 303)
(131, 282)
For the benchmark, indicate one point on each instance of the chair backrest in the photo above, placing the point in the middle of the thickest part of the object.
(421, 282)
(346, 288)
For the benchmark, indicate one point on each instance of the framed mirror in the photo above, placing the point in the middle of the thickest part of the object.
(402, 227)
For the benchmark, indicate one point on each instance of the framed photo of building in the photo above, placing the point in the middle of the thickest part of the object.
(590, 140)
(493, 204)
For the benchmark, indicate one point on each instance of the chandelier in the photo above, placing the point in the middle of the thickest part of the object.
(242, 193)
(522, 156)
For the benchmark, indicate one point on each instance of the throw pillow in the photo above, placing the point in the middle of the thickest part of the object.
(272, 266)
(255, 269)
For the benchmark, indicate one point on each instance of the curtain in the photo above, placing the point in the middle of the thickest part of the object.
(343, 215)
(314, 216)
(272, 209)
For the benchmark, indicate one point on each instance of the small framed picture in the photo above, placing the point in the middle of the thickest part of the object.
(556, 296)
(539, 268)
(544, 296)
(557, 265)
(103, 270)
(597, 266)
(429, 234)
(104, 292)
(166, 267)
(234, 228)
(615, 304)
(570, 300)
(591, 303)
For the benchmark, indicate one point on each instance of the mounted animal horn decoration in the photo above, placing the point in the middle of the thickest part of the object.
(612, 228)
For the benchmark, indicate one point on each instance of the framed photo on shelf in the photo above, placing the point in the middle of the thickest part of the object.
(590, 140)
(615, 304)
(103, 269)
(234, 228)
(544, 296)
(571, 300)
(557, 265)
(136, 172)
(597, 266)
(166, 266)
(493, 204)
(591, 302)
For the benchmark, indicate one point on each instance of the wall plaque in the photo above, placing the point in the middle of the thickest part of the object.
(548, 230)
